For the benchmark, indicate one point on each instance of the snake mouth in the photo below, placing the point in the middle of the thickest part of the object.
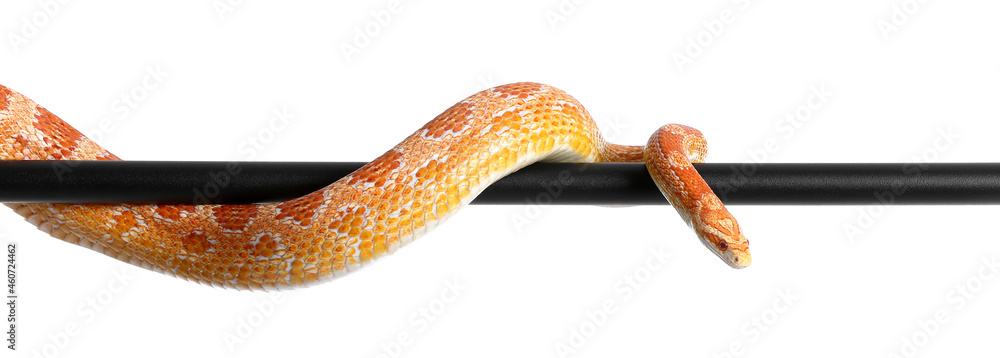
(737, 259)
(733, 249)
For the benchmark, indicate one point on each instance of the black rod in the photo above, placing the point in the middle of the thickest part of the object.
(540, 183)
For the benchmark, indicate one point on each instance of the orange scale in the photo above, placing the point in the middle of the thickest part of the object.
(366, 256)
(379, 249)
(366, 235)
(311, 277)
(339, 249)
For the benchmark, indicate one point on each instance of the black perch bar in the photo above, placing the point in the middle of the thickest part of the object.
(540, 183)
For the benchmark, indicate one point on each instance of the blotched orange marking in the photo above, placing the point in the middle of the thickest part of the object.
(378, 209)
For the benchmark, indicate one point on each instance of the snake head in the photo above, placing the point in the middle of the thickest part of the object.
(669, 155)
(718, 230)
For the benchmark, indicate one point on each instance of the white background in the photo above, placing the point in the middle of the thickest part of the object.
(527, 288)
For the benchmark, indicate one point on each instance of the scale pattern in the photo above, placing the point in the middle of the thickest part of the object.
(369, 214)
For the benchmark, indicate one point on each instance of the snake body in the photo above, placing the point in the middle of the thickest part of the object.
(370, 213)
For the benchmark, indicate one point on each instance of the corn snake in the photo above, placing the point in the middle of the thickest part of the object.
(370, 213)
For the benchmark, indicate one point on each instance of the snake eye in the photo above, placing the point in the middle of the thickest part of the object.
(723, 245)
